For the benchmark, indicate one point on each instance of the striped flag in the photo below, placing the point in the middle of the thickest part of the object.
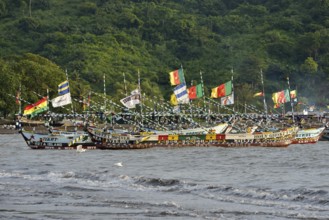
(64, 97)
(181, 94)
(36, 108)
(176, 77)
(63, 88)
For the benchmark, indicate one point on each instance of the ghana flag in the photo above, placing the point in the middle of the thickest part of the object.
(36, 108)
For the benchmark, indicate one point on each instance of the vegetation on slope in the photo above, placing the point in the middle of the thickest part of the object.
(41, 39)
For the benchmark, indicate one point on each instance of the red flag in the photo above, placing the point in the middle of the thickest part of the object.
(192, 92)
(221, 90)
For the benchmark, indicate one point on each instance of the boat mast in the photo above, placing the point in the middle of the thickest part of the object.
(232, 87)
(104, 93)
(67, 78)
(291, 102)
(124, 83)
(203, 96)
(264, 100)
(140, 96)
(18, 99)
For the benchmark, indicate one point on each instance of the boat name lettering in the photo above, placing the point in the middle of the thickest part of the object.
(37, 143)
(50, 139)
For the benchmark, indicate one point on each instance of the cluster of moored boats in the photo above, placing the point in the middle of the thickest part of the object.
(221, 135)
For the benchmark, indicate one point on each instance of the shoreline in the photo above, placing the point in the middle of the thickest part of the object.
(8, 131)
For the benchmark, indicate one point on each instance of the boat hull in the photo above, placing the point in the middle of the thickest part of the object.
(57, 140)
(308, 136)
(112, 141)
(130, 146)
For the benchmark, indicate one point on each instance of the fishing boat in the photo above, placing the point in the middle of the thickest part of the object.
(58, 140)
(308, 136)
(111, 141)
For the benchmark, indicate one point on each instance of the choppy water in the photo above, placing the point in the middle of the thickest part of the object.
(159, 183)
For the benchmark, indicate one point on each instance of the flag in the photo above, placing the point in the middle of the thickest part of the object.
(176, 77)
(293, 94)
(134, 92)
(284, 97)
(199, 91)
(224, 89)
(227, 100)
(192, 92)
(64, 97)
(181, 93)
(36, 108)
(258, 94)
(281, 97)
(18, 98)
(275, 97)
(214, 93)
(173, 99)
(61, 100)
(63, 88)
(131, 101)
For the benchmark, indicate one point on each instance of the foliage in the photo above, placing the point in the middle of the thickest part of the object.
(92, 38)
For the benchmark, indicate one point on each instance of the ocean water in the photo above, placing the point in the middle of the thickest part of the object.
(164, 183)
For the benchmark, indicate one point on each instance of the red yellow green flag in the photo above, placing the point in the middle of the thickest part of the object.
(36, 108)
(224, 89)
(176, 77)
(281, 97)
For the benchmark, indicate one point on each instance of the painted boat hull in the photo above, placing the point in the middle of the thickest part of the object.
(57, 140)
(128, 141)
(308, 136)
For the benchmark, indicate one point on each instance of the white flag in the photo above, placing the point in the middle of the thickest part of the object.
(62, 100)
(131, 101)
(227, 100)
(135, 92)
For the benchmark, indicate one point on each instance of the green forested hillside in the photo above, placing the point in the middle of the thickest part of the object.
(40, 39)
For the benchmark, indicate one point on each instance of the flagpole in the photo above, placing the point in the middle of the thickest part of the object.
(185, 85)
(124, 82)
(264, 99)
(232, 88)
(104, 92)
(20, 103)
(140, 93)
(204, 98)
(291, 103)
(67, 78)
(48, 98)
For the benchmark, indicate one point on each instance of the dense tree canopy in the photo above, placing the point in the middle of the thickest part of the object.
(283, 38)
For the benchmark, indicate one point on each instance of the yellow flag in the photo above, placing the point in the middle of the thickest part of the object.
(214, 93)
(275, 97)
(173, 100)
